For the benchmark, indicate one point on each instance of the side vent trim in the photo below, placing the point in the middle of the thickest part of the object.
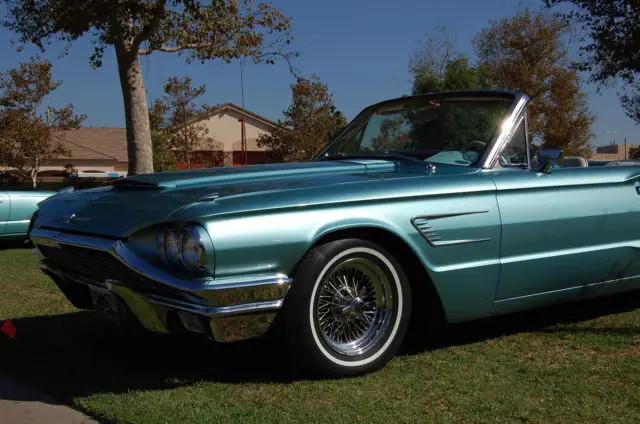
(423, 225)
(211, 197)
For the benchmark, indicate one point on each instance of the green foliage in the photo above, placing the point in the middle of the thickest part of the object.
(163, 158)
(438, 66)
(610, 44)
(199, 30)
(29, 138)
(175, 115)
(634, 153)
(337, 124)
(308, 123)
(527, 52)
(226, 29)
(459, 74)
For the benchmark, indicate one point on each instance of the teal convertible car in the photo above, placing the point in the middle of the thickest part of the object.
(426, 209)
(16, 210)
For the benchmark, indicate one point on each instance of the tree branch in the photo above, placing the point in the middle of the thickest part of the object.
(147, 31)
(173, 49)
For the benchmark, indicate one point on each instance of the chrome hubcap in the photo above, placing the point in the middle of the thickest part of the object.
(354, 307)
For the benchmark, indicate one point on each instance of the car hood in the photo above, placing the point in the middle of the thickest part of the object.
(129, 204)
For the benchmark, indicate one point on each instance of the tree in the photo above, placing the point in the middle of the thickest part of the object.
(611, 44)
(28, 138)
(439, 66)
(223, 29)
(174, 114)
(308, 123)
(634, 153)
(163, 157)
(527, 53)
(337, 124)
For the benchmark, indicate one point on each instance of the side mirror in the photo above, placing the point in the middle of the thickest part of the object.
(548, 158)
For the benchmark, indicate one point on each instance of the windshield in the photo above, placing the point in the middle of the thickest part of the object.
(450, 130)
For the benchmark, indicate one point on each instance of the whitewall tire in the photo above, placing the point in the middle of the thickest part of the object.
(348, 309)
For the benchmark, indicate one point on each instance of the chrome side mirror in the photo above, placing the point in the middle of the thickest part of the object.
(548, 158)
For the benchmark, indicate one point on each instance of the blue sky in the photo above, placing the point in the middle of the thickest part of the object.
(359, 48)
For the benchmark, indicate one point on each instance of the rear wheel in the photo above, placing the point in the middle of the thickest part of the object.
(348, 310)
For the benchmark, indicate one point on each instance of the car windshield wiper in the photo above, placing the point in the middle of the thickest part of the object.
(388, 155)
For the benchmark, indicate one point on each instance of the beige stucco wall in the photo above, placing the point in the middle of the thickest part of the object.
(225, 128)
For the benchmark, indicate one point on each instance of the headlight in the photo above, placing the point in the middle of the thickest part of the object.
(192, 252)
(182, 246)
(167, 246)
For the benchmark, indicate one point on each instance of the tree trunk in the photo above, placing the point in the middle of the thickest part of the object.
(136, 112)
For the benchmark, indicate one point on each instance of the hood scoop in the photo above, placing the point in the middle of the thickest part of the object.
(131, 183)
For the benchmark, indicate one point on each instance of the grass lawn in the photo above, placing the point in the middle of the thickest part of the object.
(570, 364)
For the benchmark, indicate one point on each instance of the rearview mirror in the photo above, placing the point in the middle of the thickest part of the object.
(548, 158)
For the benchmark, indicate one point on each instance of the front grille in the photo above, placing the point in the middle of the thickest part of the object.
(97, 265)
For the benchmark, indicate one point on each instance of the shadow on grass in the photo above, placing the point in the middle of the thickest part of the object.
(9, 244)
(543, 320)
(76, 354)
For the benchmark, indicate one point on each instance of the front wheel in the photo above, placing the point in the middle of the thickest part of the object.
(348, 310)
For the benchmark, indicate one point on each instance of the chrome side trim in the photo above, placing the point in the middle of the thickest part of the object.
(217, 311)
(506, 130)
(421, 223)
(455, 242)
(21, 221)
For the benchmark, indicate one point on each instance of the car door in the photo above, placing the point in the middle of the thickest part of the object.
(564, 230)
(4, 211)
(23, 205)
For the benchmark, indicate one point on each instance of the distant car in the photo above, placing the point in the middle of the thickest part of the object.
(100, 174)
(425, 209)
(598, 162)
(16, 210)
(623, 163)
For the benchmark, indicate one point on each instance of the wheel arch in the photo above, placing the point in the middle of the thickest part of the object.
(427, 303)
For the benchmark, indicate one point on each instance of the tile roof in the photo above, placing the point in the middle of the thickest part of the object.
(226, 107)
(96, 143)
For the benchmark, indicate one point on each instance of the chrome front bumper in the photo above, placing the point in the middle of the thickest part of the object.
(223, 309)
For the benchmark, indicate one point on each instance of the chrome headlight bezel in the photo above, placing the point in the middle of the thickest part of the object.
(170, 240)
(192, 261)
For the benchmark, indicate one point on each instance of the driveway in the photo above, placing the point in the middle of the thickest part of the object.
(22, 405)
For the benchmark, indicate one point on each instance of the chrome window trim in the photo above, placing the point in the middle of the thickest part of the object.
(491, 155)
(521, 120)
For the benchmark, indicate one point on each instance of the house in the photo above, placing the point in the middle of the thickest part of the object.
(103, 149)
(92, 150)
(225, 126)
(612, 152)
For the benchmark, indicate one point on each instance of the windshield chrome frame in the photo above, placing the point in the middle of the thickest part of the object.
(495, 145)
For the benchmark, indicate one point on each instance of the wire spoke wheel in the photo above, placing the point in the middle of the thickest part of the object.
(354, 307)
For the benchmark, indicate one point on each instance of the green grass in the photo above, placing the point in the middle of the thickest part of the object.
(571, 364)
